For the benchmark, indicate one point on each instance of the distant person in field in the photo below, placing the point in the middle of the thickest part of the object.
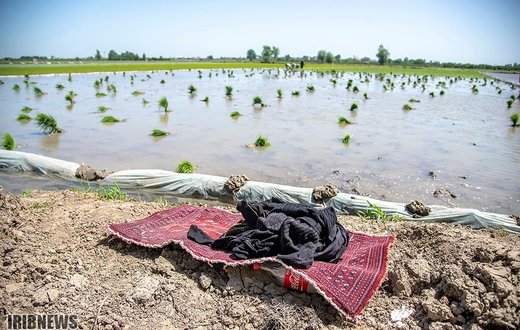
(301, 66)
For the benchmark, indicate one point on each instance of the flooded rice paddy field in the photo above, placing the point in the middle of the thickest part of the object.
(464, 138)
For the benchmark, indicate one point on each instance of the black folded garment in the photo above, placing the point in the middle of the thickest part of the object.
(294, 233)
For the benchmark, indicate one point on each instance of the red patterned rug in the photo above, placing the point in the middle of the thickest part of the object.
(347, 285)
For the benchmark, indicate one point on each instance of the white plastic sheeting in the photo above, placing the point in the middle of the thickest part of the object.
(212, 187)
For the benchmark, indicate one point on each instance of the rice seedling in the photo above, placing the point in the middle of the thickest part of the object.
(474, 89)
(510, 103)
(47, 123)
(205, 100)
(432, 94)
(163, 103)
(110, 119)
(98, 83)
(112, 88)
(192, 90)
(257, 100)
(137, 93)
(37, 91)
(334, 82)
(441, 92)
(346, 139)
(99, 94)
(349, 84)
(310, 88)
(229, 91)
(16, 88)
(70, 97)
(407, 107)
(295, 93)
(26, 109)
(103, 109)
(8, 142)
(145, 102)
(185, 167)
(262, 141)
(414, 100)
(344, 121)
(70, 77)
(365, 95)
(512, 97)
(355, 89)
(280, 93)
(59, 87)
(158, 132)
(235, 114)
(162, 81)
(23, 117)
(354, 106)
(514, 119)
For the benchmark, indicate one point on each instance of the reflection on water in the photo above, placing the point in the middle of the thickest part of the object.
(50, 141)
(465, 138)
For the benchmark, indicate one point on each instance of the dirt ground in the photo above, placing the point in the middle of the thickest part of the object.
(57, 258)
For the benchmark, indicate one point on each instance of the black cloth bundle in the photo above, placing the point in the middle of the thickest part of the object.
(294, 233)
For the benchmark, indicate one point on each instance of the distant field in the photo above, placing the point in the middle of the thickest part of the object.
(36, 69)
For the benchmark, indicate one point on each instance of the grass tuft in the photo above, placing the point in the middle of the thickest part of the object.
(185, 167)
(47, 123)
(8, 142)
(376, 213)
(112, 193)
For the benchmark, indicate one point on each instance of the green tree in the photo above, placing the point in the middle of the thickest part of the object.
(267, 54)
(112, 55)
(337, 58)
(276, 53)
(321, 55)
(98, 54)
(329, 58)
(382, 54)
(251, 55)
(144, 57)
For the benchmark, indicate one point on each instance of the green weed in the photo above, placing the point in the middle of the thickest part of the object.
(376, 213)
(310, 88)
(99, 94)
(60, 87)
(112, 193)
(137, 93)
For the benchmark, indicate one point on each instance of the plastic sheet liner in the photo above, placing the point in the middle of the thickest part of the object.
(212, 187)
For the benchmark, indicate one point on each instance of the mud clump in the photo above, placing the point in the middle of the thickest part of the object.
(322, 193)
(418, 209)
(85, 172)
(235, 182)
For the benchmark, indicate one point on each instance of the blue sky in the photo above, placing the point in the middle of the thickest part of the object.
(473, 31)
